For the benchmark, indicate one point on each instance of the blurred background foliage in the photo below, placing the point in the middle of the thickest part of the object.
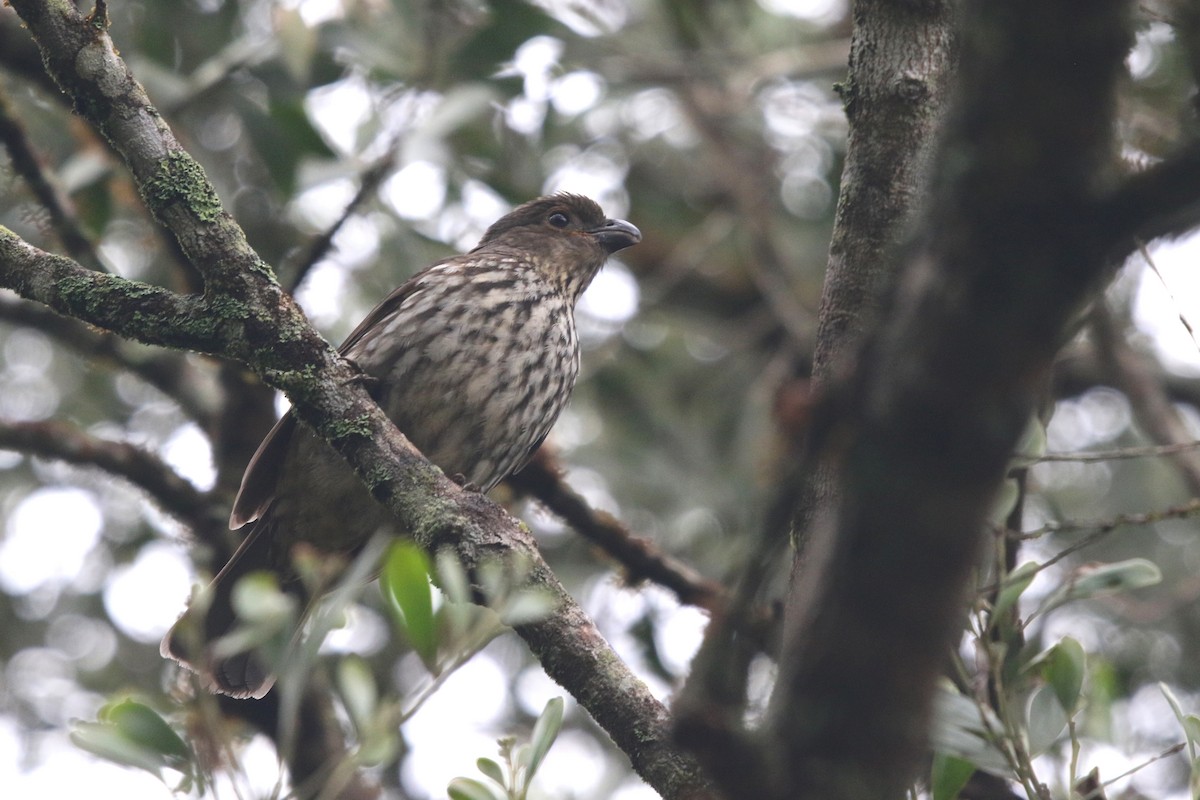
(716, 128)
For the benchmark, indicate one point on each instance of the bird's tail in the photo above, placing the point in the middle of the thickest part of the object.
(201, 640)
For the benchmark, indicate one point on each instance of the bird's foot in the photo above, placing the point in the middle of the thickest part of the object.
(362, 376)
(467, 486)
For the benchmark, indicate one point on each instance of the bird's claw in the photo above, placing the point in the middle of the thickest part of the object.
(466, 485)
(361, 376)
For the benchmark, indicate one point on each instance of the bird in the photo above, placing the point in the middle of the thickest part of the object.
(473, 359)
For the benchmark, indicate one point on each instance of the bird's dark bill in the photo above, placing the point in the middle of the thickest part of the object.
(616, 234)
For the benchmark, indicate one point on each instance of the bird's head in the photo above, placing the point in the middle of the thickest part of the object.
(567, 235)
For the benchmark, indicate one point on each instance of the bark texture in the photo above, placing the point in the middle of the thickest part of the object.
(918, 437)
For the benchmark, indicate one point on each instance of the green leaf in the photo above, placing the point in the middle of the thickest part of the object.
(545, 730)
(1005, 501)
(1032, 444)
(378, 747)
(1177, 709)
(1120, 576)
(958, 730)
(1014, 586)
(493, 580)
(1097, 580)
(1046, 720)
(141, 724)
(359, 693)
(1063, 669)
(110, 744)
(491, 769)
(134, 735)
(453, 578)
(470, 789)
(258, 600)
(949, 775)
(1191, 729)
(405, 581)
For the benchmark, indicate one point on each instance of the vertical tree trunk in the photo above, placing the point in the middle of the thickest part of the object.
(917, 439)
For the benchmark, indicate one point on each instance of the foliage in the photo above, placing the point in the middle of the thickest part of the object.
(520, 762)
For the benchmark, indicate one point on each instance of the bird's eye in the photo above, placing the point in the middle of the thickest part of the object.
(559, 219)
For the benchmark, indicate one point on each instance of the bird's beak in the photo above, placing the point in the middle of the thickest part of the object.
(616, 234)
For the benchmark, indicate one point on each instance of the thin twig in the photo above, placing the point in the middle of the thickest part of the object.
(369, 182)
(1118, 454)
(1183, 511)
(30, 166)
(1170, 751)
(1150, 404)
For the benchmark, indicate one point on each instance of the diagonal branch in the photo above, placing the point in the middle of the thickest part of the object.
(130, 308)
(29, 165)
(1151, 406)
(169, 372)
(641, 560)
(66, 442)
(369, 183)
(1163, 200)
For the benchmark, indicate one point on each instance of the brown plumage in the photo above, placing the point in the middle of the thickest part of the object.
(474, 358)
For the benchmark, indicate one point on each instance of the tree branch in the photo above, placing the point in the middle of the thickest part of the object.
(167, 371)
(641, 560)
(65, 442)
(27, 163)
(1151, 406)
(132, 309)
(369, 183)
(900, 60)
(1163, 200)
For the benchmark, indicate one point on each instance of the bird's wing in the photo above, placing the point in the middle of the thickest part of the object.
(262, 473)
(387, 306)
(524, 462)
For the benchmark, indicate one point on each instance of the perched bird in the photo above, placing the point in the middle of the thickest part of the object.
(472, 358)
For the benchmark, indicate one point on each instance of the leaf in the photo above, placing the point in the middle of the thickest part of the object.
(1177, 709)
(492, 770)
(108, 743)
(257, 599)
(493, 580)
(1120, 576)
(949, 775)
(359, 693)
(143, 725)
(1191, 729)
(527, 605)
(405, 581)
(134, 735)
(545, 730)
(1046, 720)
(378, 749)
(470, 789)
(1032, 444)
(1064, 669)
(1097, 580)
(453, 578)
(1005, 501)
(958, 730)
(1014, 586)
